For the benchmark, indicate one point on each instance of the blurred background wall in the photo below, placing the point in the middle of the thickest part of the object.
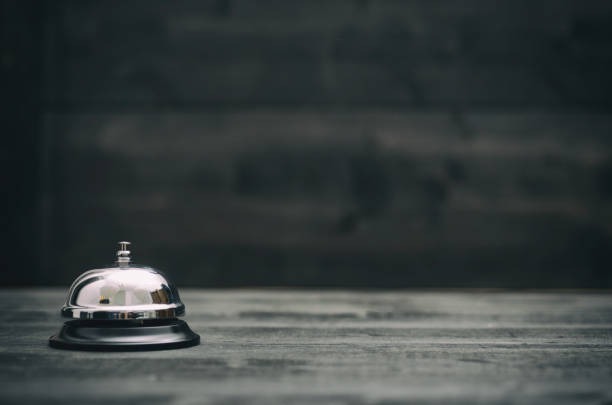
(310, 143)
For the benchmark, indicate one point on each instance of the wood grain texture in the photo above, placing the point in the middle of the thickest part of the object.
(415, 53)
(347, 143)
(329, 347)
(369, 198)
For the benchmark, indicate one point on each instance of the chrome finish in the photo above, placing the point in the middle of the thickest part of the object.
(123, 255)
(124, 291)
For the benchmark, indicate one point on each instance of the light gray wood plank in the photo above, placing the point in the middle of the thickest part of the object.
(292, 346)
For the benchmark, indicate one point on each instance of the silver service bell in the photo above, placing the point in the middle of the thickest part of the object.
(123, 307)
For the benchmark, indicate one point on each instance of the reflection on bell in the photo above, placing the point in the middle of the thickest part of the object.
(124, 307)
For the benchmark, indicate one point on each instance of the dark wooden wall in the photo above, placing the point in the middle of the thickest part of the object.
(337, 143)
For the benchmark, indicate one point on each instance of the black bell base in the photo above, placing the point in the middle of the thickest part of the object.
(124, 335)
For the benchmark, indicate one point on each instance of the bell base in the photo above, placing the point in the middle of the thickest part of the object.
(124, 335)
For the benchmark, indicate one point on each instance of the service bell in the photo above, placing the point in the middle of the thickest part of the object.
(123, 307)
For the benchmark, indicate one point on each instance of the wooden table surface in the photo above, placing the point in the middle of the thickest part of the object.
(286, 346)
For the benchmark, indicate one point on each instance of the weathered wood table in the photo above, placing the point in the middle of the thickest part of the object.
(285, 346)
